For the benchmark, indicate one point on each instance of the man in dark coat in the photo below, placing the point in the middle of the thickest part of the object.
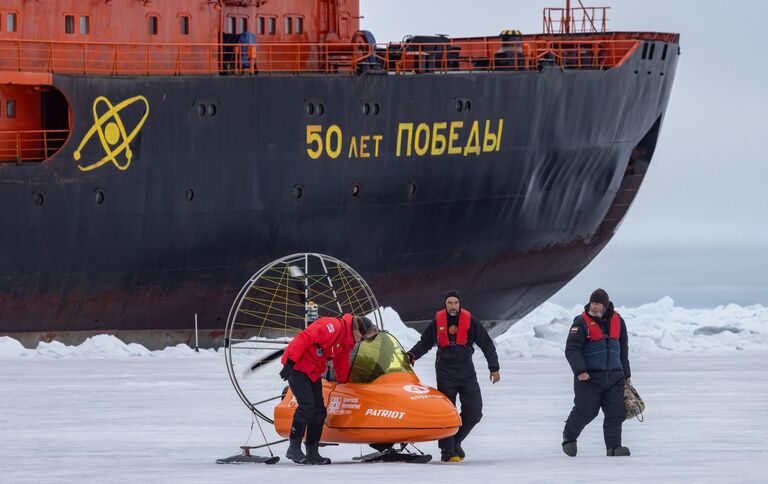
(598, 353)
(455, 331)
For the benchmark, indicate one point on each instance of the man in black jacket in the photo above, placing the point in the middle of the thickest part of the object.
(598, 353)
(455, 331)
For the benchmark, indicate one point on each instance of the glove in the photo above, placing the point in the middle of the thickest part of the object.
(411, 358)
(285, 373)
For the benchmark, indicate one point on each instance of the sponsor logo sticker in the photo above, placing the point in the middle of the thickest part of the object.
(393, 414)
(416, 389)
(330, 327)
(334, 404)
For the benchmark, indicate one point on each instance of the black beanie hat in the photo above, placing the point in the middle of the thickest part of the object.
(599, 296)
(453, 293)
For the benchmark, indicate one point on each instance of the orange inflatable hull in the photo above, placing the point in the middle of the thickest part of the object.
(394, 408)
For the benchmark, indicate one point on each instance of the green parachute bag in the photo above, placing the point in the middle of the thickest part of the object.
(633, 402)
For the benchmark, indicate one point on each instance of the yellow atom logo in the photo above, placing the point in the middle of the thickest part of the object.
(114, 138)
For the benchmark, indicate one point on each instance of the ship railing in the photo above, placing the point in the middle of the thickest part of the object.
(575, 20)
(492, 54)
(453, 55)
(30, 145)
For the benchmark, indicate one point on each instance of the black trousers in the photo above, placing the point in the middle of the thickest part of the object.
(468, 390)
(589, 397)
(310, 415)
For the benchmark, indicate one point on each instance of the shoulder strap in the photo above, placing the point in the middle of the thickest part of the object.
(441, 326)
(594, 332)
(615, 326)
(462, 335)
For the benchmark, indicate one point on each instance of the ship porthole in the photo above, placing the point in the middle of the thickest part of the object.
(298, 191)
(190, 195)
(99, 197)
(459, 105)
(310, 109)
(201, 109)
(366, 109)
(355, 189)
(320, 109)
(376, 109)
(39, 199)
(468, 105)
(412, 187)
(211, 110)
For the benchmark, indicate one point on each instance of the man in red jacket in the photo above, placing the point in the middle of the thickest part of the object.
(304, 362)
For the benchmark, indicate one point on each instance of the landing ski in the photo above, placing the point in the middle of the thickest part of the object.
(245, 456)
(255, 459)
(392, 455)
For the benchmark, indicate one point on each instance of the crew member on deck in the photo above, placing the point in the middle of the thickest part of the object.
(304, 362)
(598, 353)
(455, 332)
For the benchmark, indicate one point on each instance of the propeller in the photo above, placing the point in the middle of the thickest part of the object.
(250, 369)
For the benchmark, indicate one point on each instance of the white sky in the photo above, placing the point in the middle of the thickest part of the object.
(698, 230)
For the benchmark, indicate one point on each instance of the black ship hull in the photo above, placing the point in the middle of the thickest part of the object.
(221, 181)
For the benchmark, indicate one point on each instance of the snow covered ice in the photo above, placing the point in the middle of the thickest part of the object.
(106, 411)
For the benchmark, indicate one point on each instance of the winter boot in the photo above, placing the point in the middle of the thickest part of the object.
(449, 455)
(313, 456)
(294, 448)
(618, 451)
(458, 450)
(294, 452)
(569, 447)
